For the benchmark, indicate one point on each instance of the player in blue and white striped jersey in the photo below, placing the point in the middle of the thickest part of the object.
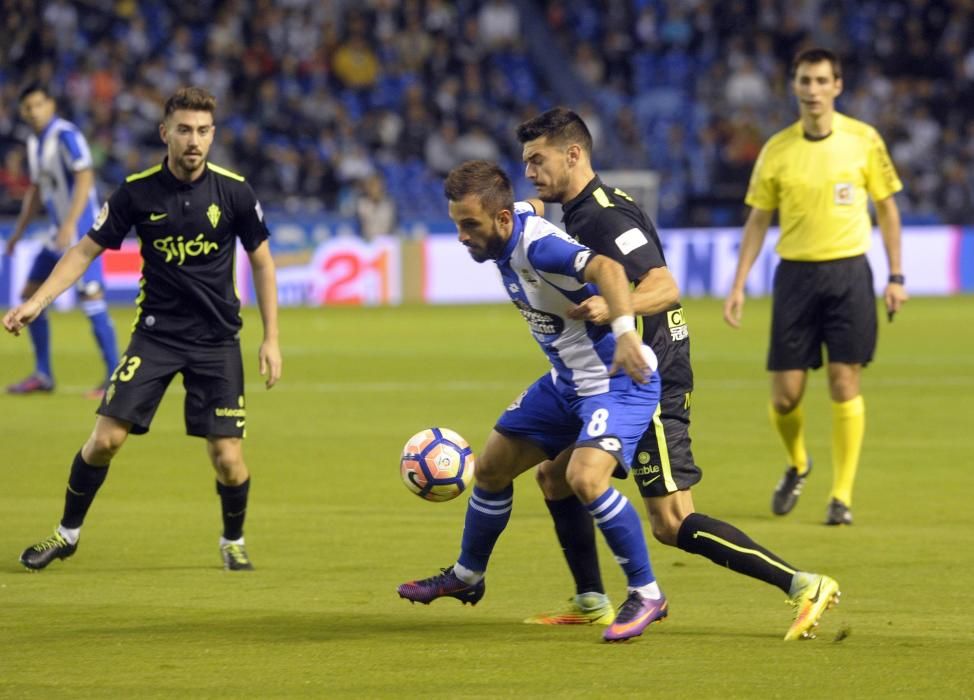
(63, 183)
(597, 399)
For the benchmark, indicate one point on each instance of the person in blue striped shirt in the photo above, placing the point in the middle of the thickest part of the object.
(63, 184)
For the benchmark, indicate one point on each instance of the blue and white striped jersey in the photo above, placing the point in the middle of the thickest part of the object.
(53, 157)
(543, 271)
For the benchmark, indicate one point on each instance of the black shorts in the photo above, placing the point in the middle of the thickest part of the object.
(815, 303)
(212, 375)
(663, 462)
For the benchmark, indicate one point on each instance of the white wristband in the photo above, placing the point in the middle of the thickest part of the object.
(622, 325)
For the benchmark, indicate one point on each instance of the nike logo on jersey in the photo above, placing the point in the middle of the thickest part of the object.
(157, 217)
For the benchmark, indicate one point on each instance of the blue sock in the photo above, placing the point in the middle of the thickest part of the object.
(40, 336)
(619, 522)
(487, 516)
(103, 330)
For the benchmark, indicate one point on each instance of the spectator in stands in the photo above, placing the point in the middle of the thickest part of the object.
(374, 209)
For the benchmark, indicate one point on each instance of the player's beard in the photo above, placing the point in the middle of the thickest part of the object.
(188, 165)
(493, 247)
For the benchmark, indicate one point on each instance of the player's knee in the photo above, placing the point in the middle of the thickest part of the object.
(665, 530)
(490, 477)
(102, 447)
(548, 483)
(785, 403)
(587, 484)
(226, 456)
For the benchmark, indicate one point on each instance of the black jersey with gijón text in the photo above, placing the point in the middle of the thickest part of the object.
(608, 221)
(187, 236)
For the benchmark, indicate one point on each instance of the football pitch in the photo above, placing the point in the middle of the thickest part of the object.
(145, 610)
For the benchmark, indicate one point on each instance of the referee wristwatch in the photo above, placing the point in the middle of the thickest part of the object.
(897, 279)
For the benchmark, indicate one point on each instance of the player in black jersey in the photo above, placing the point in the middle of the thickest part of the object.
(188, 214)
(557, 150)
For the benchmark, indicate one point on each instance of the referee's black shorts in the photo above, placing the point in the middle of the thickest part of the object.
(829, 303)
(212, 375)
(664, 462)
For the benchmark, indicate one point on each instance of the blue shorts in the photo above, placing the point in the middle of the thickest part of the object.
(92, 281)
(554, 418)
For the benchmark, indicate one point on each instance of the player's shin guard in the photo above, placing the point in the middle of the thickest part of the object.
(576, 535)
(791, 429)
(233, 506)
(104, 331)
(848, 428)
(725, 545)
(619, 523)
(40, 338)
(83, 484)
(487, 516)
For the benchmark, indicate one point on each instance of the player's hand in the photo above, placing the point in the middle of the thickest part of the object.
(593, 309)
(269, 357)
(631, 358)
(734, 308)
(15, 319)
(65, 236)
(895, 296)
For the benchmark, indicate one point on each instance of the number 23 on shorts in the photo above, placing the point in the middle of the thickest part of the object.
(126, 368)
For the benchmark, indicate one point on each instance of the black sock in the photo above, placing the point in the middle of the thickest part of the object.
(576, 535)
(233, 503)
(725, 545)
(83, 484)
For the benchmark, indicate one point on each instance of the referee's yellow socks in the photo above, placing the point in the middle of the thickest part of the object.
(848, 427)
(791, 428)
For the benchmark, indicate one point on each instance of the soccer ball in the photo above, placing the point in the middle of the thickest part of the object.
(436, 464)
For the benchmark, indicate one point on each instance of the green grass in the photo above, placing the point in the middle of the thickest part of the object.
(144, 610)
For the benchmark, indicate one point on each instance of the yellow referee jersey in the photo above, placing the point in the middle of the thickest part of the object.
(819, 188)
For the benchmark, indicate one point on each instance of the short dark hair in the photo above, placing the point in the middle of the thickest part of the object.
(484, 179)
(192, 98)
(817, 55)
(32, 87)
(560, 125)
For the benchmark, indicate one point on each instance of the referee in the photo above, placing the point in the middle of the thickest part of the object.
(818, 173)
(188, 214)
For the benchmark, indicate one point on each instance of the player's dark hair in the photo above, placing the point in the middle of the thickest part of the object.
(32, 87)
(817, 55)
(484, 179)
(560, 125)
(193, 99)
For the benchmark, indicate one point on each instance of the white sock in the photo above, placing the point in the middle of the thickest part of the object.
(224, 541)
(467, 575)
(650, 590)
(71, 534)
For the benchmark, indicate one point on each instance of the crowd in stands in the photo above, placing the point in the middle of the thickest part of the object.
(326, 105)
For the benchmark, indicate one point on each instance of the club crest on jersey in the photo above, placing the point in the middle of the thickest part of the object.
(213, 214)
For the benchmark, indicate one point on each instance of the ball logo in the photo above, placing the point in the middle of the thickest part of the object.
(444, 461)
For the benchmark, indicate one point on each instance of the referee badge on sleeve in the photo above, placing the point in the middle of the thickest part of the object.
(844, 194)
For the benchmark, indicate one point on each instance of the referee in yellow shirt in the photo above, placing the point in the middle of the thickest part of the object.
(818, 173)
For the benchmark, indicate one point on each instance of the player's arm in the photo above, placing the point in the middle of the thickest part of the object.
(888, 218)
(265, 285)
(755, 230)
(656, 292)
(610, 277)
(84, 180)
(29, 208)
(67, 271)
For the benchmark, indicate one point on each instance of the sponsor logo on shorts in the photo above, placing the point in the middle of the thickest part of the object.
(676, 322)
